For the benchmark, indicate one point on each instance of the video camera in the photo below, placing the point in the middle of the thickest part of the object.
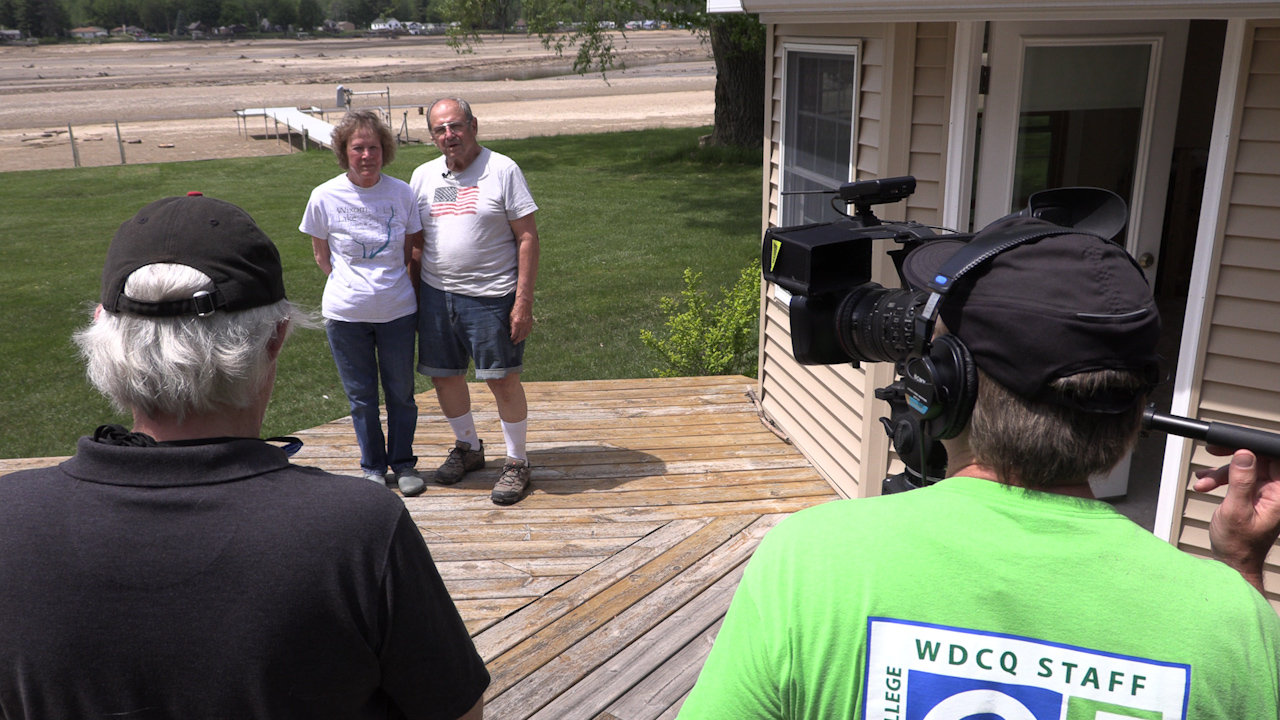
(838, 315)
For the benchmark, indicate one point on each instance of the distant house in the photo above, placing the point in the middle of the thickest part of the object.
(128, 30)
(339, 26)
(89, 33)
(391, 24)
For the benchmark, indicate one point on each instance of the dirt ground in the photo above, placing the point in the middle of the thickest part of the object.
(176, 100)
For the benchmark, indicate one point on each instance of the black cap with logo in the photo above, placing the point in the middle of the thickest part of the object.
(209, 235)
(1047, 309)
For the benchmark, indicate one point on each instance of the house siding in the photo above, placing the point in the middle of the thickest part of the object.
(1239, 360)
(930, 115)
(901, 127)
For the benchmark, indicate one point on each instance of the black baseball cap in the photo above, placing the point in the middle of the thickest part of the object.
(210, 235)
(1047, 309)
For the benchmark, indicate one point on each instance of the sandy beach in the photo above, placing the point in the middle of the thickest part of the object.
(177, 100)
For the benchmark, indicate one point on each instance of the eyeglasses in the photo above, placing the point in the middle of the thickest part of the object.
(454, 127)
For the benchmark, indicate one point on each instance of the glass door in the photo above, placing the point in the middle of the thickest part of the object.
(1080, 118)
(1083, 103)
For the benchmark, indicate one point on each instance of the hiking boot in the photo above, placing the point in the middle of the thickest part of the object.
(462, 460)
(512, 484)
(410, 482)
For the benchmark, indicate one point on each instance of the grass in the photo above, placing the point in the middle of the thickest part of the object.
(621, 216)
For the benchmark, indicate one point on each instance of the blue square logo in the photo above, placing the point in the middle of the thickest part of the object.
(942, 697)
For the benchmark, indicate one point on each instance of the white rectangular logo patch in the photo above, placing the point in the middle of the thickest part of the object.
(917, 671)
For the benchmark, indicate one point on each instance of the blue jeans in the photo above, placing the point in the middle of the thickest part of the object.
(363, 352)
(455, 329)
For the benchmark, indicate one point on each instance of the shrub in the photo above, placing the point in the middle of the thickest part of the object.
(710, 339)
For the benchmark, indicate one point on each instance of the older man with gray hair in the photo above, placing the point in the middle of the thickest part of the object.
(186, 569)
(479, 264)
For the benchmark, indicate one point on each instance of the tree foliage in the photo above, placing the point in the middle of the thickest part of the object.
(590, 29)
(469, 17)
(37, 18)
(583, 25)
(310, 14)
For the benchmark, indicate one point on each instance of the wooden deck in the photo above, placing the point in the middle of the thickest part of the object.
(598, 595)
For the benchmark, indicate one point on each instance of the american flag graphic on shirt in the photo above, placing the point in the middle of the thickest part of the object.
(451, 200)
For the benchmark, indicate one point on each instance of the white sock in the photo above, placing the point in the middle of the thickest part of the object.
(514, 434)
(464, 428)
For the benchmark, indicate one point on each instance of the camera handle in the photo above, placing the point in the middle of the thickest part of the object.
(1235, 437)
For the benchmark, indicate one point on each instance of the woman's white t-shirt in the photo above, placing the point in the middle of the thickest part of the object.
(365, 228)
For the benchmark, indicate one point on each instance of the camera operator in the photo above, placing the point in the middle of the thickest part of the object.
(1005, 590)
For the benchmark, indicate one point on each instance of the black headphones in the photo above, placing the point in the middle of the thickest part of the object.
(939, 377)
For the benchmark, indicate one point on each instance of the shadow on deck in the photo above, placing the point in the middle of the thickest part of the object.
(598, 595)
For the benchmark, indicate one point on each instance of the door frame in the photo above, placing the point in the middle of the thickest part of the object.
(1168, 39)
(1008, 42)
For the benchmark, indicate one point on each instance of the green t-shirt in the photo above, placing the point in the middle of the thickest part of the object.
(975, 599)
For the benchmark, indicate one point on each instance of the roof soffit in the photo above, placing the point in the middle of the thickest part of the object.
(777, 11)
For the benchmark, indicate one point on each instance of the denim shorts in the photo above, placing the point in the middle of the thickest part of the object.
(455, 329)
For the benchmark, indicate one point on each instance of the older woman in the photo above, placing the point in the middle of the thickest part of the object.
(364, 227)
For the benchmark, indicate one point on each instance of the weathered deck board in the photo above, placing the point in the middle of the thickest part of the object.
(665, 486)
(623, 514)
(598, 595)
(545, 644)
(630, 661)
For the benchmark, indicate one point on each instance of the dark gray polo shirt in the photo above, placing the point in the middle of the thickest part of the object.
(219, 581)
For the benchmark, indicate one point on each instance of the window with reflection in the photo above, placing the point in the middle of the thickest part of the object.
(818, 118)
(1080, 118)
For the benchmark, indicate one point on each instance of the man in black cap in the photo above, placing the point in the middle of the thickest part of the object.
(186, 569)
(1005, 591)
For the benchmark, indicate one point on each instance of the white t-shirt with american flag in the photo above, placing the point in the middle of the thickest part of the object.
(466, 217)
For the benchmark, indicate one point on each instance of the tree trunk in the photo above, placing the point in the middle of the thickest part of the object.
(739, 118)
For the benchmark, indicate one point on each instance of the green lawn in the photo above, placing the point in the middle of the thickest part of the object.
(621, 215)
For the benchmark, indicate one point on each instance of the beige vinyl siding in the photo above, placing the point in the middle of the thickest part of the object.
(1240, 360)
(828, 411)
(819, 408)
(930, 114)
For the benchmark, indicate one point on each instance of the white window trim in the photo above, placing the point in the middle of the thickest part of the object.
(966, 71)
(853, 48)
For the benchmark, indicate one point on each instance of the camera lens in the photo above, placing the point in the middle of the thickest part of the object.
(874, 324)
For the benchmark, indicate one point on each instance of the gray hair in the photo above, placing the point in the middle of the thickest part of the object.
(462, 105)
(180, 365)
(1039, 444)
